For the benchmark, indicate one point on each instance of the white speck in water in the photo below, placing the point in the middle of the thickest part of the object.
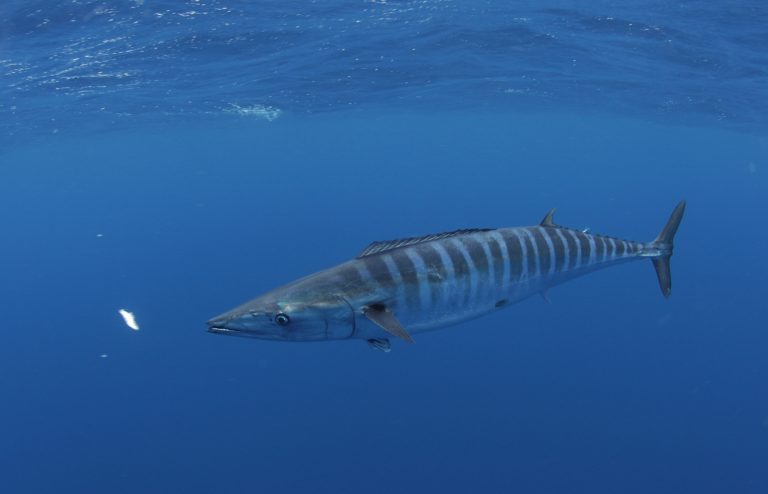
(130, 319)
(268, 113)
(103, 355)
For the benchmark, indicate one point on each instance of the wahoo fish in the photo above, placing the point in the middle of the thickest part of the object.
(401, 287)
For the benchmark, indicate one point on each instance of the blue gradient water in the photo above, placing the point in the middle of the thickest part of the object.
(177, 158)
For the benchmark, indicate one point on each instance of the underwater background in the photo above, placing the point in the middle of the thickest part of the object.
(176, 158)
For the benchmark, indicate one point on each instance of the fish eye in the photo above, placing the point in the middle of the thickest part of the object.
(282, 319)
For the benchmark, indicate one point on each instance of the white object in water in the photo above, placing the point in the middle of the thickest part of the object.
(130, 319)
(268, 113)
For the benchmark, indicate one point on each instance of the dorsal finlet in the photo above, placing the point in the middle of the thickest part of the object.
(549, 219)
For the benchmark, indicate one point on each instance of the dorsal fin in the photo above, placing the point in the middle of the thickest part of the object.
(549, 219)
(383, 246)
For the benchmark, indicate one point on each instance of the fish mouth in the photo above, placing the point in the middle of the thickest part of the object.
(221, 325)
(220, 330)
(218, 324)
(231, 327)
(243, 333)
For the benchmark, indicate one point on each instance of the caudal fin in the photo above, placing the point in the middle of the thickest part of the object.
(662, 249)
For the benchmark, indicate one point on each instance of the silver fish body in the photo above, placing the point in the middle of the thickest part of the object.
(419, 284)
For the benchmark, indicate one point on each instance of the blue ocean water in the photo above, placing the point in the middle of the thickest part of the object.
(176, 158)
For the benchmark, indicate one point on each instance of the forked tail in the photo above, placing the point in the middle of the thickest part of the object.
(660, 250)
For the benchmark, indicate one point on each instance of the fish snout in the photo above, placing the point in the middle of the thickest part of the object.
(222, 324)
(217, 321)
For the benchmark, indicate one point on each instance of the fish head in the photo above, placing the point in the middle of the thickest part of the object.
(283, 317)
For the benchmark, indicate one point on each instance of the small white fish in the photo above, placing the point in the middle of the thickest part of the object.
(130, 319)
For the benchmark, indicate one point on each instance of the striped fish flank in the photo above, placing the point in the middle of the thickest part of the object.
(405, 286)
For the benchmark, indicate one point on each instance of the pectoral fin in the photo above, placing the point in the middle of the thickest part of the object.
(387, 321)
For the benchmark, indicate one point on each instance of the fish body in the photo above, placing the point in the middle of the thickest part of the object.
(412, 285)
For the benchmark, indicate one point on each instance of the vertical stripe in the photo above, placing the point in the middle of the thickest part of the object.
(550, 240)
(557, 249)
(587, 248)
(518, 257)
(365, 275)
(490, 275)
(577, 243)
(377, 268)
(435, 272)
(592, 249)
(533, 254)
(613, 247)
(461, 272)
(449, 283)
(566, 253)
(500, 260)
(398, 280)
(529, 258)
(479, 262)
(425, 294)
(351, 279)
(544, 244)
(606, 248)
(409, 277)
(599, 248)
(471, 270)
(621, 248)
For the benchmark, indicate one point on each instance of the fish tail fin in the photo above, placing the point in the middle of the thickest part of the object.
(660, 250)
